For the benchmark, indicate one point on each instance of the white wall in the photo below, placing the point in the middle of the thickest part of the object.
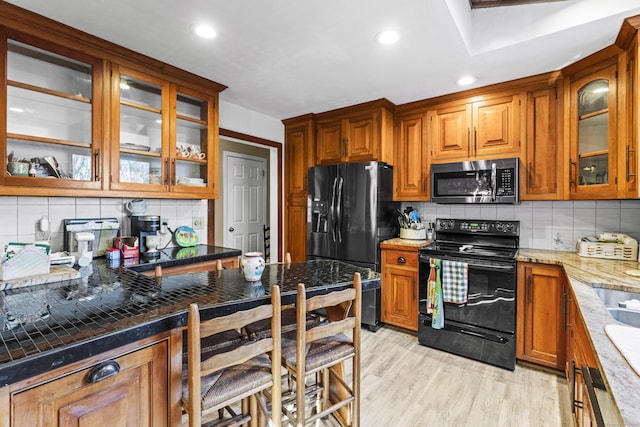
(548, 225)
(240, 119)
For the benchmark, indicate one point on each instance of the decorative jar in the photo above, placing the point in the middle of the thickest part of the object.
(252, 265)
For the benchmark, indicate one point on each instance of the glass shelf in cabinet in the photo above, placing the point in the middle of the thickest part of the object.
(48, 116)
(40, 68)
(140, 93)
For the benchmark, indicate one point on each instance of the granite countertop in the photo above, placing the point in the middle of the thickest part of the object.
(175, 256)
(584, 275)
(47, 326)
(403, 244)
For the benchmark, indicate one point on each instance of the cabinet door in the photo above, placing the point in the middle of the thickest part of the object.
(541, 173)
(193, 148)
(295, 233)
(140, 131)
(541, 337)
(400, 289)
(296, 157)
(628, 147)
(135, 396)
(593, 122)
(330, 142)
(53, 117)
(496, 127)
(411, 152)
(362, 138)
(450, 132)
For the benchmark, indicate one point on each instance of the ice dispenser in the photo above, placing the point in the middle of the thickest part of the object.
(319, 216)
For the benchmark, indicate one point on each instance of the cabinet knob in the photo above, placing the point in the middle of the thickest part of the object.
(232, 229)
(401, 260)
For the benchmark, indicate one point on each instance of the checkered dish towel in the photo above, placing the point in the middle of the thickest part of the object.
(455, 281)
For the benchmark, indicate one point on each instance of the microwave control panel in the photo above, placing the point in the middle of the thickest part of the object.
(505, 182)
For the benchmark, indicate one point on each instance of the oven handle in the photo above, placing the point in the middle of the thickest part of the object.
(471, 263)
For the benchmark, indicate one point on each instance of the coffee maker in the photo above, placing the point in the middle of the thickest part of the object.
(145, 228)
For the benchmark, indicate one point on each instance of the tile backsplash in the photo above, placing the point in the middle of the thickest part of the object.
(19, 216)
(548, 224)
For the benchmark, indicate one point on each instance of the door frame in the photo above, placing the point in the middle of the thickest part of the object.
(225, 172)
(275, 189)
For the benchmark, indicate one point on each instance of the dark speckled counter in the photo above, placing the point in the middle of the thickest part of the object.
(177, 256)
(49, 326)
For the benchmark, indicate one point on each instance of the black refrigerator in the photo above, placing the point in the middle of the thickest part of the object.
(351, 212)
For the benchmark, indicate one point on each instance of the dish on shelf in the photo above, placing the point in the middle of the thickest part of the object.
(135, 146)
(185, 180)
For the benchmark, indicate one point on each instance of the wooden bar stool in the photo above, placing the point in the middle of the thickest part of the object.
(322, 350)
(218, 378)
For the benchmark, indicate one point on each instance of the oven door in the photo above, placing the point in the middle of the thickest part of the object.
(491, 300)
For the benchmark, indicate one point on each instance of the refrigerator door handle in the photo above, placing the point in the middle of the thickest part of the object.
(339, 210)
(333, 209)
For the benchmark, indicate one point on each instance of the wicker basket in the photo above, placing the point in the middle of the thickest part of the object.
(609, 245)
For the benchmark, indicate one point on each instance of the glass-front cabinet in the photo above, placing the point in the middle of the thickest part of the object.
(593, 134)
(162, 139)
(53, 127)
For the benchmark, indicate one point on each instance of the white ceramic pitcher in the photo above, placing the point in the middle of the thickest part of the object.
(252, 265)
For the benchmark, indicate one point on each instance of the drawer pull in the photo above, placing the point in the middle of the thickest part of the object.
(103, 371)
(401, 260)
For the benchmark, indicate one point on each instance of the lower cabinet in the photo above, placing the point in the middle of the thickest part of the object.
(129, 390)
(400, 288)
(580, 355)
(540, 336)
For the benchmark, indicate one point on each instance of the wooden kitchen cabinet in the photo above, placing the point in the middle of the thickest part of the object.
(136, 395)
(540, 336)
(579, 353)
(485, 128)
(161, 137)
(53, 116)
(400, 287)
(299, 155)
(100, 119)
(592, 117)
(359, 133)
(542, 164)
(411, 176)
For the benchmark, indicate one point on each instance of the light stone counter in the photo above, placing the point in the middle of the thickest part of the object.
(584, 274)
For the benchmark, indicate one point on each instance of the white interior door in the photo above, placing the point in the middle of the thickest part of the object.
(244, 201)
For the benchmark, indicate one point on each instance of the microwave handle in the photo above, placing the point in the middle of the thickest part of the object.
(493, 182)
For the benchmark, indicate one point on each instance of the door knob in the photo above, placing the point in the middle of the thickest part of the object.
(231, 229)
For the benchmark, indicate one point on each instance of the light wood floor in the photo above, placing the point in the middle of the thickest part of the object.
(405, 384)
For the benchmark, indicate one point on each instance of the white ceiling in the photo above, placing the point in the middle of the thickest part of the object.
(285, 58)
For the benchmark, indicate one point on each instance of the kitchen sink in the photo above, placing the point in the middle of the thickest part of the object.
(629, 317)
(611, 299)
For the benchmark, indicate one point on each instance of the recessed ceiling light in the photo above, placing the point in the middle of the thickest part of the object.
(204, 31)
(387, 37)
(465, 81)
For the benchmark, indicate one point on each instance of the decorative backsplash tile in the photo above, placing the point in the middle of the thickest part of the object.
(548, 224)
(20, 215)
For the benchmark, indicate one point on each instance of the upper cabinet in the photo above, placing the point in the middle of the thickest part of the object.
(593, 130)
(86, 117)
(162, 134)
(359, 133)
(488, 127)
(542, 160)
(410, 177)
(53, 122)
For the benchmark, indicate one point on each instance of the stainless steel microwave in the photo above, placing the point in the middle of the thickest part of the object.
(478, 181)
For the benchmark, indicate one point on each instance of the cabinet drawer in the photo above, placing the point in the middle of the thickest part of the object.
(400, 258)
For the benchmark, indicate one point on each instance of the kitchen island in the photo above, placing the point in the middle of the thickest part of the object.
(47, 328)
(585, 275)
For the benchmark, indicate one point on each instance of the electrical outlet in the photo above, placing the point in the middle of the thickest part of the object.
(40, 234)
(198, 222)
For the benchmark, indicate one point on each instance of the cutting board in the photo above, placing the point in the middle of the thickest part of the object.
(627, 340)
(57, 273)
